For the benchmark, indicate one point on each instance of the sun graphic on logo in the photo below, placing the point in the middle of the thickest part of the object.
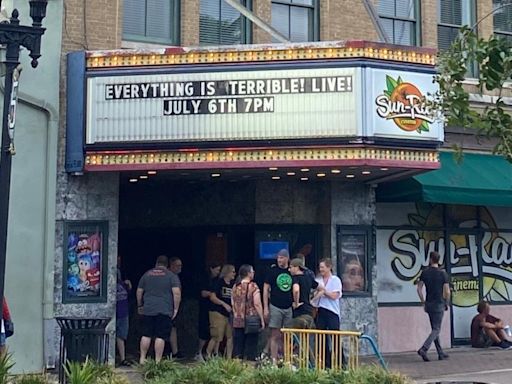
(405, 104)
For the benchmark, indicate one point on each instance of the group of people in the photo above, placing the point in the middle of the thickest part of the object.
(233, 310)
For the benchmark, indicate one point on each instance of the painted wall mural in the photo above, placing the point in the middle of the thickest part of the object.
(474, 245)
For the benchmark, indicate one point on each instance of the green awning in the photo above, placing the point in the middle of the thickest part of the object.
(477, 180)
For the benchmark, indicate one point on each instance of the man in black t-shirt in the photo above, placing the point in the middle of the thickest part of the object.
(436, 282)
(301, 288)
(277, 299)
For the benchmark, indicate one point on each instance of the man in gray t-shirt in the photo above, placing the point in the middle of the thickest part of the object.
(158, 300)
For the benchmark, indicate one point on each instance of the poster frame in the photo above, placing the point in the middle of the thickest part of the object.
(369, 259)
(101, 226)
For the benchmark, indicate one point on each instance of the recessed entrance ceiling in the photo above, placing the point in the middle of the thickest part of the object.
(364, 174)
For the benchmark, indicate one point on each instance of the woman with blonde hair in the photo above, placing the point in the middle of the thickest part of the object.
(220, 311)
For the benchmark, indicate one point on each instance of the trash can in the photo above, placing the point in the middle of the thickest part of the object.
(81, 338)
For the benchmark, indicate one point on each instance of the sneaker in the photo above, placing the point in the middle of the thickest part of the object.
(505, 345)
(423, 354)
(177, 356)
(443, 356)
(199, 358)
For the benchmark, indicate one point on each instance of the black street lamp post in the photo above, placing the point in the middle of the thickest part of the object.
(14, 36)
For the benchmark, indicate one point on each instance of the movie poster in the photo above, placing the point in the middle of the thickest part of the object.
(85, 262)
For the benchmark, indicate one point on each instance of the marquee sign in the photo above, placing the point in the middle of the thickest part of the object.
(224, 106)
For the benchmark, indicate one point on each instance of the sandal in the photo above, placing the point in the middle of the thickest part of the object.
(125, 363)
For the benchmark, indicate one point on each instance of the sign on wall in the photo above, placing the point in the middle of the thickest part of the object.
(396, 105)
(85, 262)
(224, 106)
(473, 256)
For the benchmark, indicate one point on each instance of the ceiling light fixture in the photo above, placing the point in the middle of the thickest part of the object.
(276, 177)
(350, 176)
(320, 174)
(151, 172)
(304, 170)
(272, 169)
(384, 169)
(335, 171)
(215, 174)
(304, 178)
(290, 173)
(133, 180)
(365, 172)
(143, 176)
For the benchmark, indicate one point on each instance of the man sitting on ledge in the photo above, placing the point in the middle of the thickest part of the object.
(487, 330)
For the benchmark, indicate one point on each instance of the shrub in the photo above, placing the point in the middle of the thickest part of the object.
(80, 373)
(32, 378)
(152, 370)
(6, 365)
(221, 371)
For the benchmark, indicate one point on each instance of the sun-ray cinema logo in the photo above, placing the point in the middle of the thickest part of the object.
(404, 103)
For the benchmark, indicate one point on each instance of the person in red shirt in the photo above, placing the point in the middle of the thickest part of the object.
(6, 316)
(487, 330)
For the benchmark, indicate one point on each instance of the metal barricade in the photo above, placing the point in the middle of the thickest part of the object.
(321, 349)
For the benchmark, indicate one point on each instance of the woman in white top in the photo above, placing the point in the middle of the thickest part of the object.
(328, 301)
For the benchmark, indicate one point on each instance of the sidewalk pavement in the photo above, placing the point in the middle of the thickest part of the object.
(462, 360)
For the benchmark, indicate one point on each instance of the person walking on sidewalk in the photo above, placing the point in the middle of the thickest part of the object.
(437, 286)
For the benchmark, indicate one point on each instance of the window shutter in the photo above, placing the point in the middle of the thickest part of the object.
(387, 8)
(159, 18)
(446, 35)
(301, 27)
(231, 25)
(219, 23)
(502, 17)
(450, 12)
(281, 19)
(405, 9)
(134, 17)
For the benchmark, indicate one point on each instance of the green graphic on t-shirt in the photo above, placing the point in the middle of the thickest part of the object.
(284, 282)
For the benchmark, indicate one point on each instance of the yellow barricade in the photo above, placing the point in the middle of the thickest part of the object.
(321, 349)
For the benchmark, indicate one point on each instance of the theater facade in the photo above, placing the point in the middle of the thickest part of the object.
(228, 154)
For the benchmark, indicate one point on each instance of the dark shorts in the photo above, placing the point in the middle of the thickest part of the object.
(122, 327)
(158, 326)
(483, 341)
(203, 326)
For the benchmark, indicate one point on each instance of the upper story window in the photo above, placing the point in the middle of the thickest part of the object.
(152, 21)
(503, 18)
(453, 14)
(296, 19)
(399, 19)
(221, 24)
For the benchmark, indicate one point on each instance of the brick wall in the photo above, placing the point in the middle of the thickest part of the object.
(91, 24)
(429, 18)
(262, 9)
(190, 22)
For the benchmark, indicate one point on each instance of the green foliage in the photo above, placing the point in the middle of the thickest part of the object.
(6, 365)
(221, 371)
(32, 379)
(493, 58)
(152, 370)
(80, 373)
